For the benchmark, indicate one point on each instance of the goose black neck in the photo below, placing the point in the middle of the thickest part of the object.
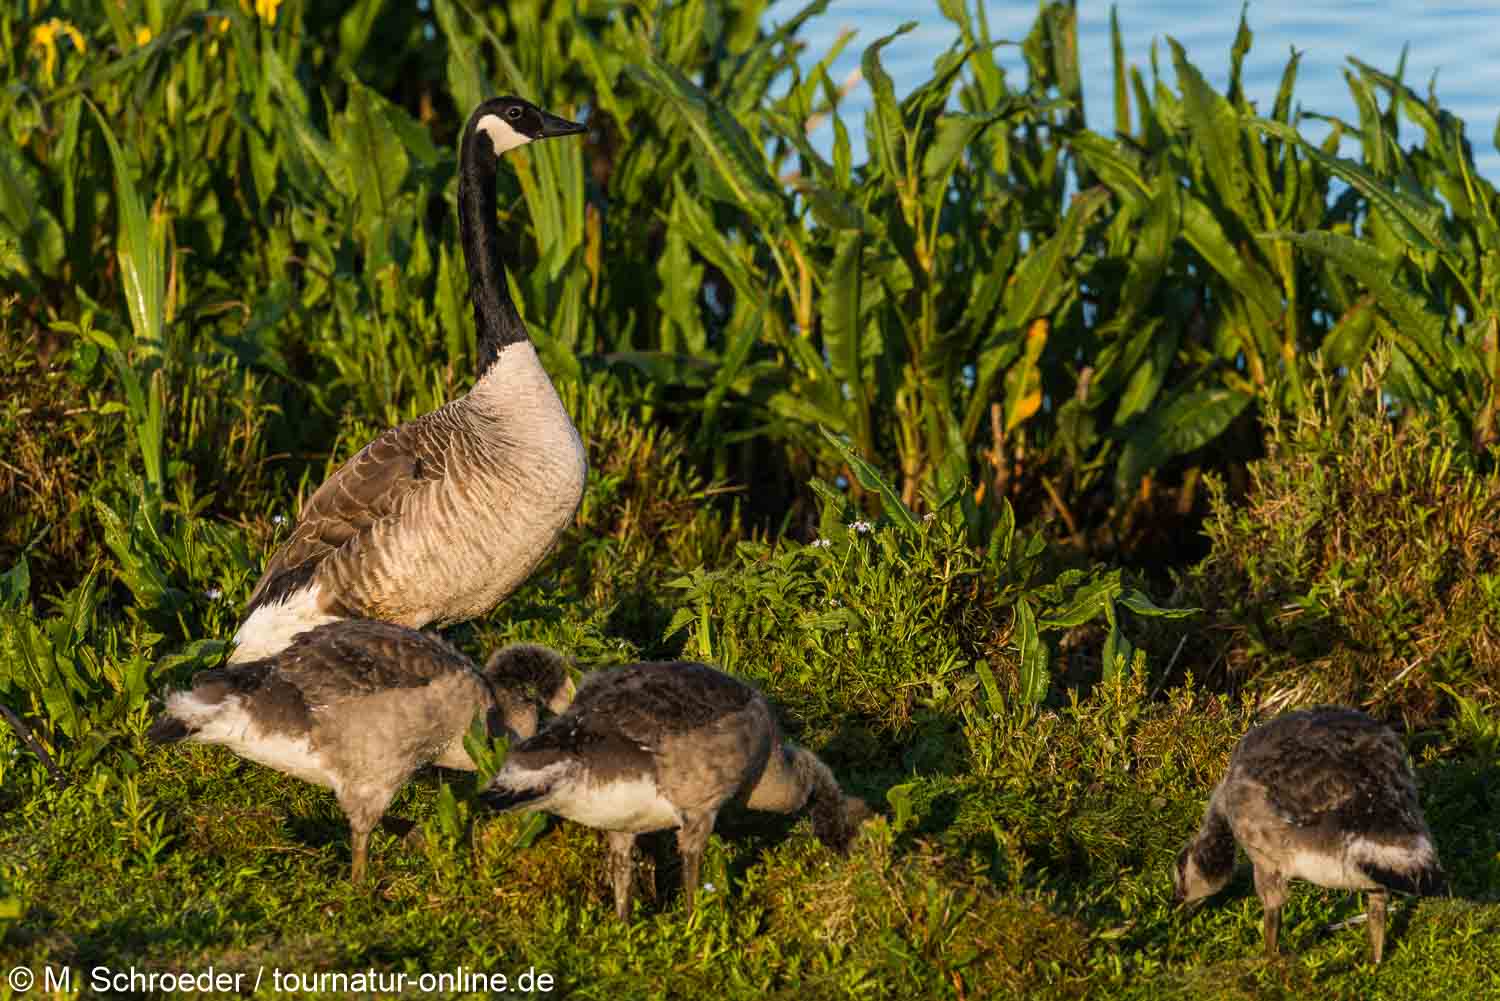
(496, 320)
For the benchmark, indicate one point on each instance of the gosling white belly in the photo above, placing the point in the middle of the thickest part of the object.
(634, 805)
(229, 725)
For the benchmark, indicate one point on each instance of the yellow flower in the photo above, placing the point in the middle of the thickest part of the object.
(44, 39)
(264, 9)
(216, 26)
(142, 35)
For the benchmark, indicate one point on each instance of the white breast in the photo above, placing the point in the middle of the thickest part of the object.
(619, 805)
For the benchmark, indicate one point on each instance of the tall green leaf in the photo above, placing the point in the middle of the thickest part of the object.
(1034, 678)
(140, 248)
(869, 478)
(887, 139)
(843, 329)
(1189, 422)
(719, 138)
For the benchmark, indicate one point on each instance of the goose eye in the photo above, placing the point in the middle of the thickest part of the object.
(513, 113)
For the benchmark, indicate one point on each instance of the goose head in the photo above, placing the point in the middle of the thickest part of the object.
(525, 677)
(512, 121)
(1194, 881)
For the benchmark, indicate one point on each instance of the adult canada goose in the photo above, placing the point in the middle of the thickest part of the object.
(357, 706)
(661, 745)
(1323, 794)
(438, 519)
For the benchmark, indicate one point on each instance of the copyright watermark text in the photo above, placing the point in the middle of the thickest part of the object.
(134, 980)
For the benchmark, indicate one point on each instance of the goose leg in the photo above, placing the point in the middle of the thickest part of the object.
(1375, 905)
(622, 870)
(692, 838)
(364, 809)
(1272, 930)
(1271, 888)
(360, 838)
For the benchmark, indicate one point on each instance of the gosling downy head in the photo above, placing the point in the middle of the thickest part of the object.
(1205, 865)
(525, 677)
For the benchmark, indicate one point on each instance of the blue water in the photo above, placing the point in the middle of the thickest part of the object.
(1454, 42)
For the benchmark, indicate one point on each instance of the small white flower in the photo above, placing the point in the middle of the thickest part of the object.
(822, 543)
(278, 519)
(709, 888)
(930, 516)
(213, 594)
(861, 527)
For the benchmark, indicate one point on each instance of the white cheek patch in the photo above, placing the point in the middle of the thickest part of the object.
(501, 134)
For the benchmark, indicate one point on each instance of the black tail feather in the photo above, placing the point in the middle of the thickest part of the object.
(501, 800)
(1429, 880)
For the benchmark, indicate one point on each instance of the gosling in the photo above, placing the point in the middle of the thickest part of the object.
(357, 706)
(666, 745)
(1326, 795)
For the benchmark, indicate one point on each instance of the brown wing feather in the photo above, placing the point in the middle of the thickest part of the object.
(622, 716)
(644, 703)
(1335, 765)
(369, 487)
(356, 657)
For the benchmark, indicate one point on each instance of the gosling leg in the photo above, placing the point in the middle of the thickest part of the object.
(1375, 908)
(360, 839)
(692, 839)
(1270, 886)
(622, 870)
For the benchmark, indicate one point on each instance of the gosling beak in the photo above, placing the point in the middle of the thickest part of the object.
(553, 126)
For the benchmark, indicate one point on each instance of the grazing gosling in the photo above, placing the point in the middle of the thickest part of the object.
(659, 745)
(1326, 795)
(357, 706)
